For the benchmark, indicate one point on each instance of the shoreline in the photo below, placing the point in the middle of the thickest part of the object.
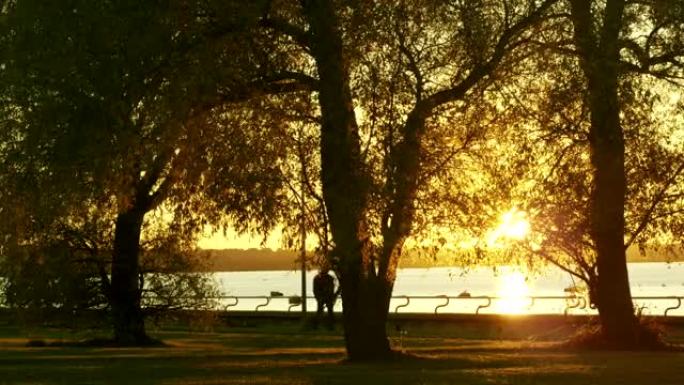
(278, 267)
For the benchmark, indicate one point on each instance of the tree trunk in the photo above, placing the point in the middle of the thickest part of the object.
(614, 300)
(366, 302)
(127, 317)
(365, 297)
(600, 61)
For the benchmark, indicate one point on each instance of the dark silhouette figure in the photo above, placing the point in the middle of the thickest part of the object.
(324, 291)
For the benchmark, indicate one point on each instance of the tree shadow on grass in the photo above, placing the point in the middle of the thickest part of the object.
(305, 365)
(96, 343)
(454, 366)
(205, 361)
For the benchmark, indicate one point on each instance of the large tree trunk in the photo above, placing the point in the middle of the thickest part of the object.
(600, 61)
(366, 302)
(365, 296)
(127, 317)
(614, 300)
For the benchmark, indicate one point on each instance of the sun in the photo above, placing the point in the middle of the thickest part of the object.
(513, 293)
(513, 225)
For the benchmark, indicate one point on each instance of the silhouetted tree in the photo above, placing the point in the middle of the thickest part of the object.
(439, 54)
(121, 106)
(607, 171)
(599, 49)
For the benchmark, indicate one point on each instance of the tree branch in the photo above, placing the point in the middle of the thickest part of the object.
(646, 219)
(412, 63)
(297, 34)
(568, 270)
(483, 70)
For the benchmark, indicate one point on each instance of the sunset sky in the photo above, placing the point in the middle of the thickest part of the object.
(513, 224)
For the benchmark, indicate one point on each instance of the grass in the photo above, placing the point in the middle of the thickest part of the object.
(284, 354)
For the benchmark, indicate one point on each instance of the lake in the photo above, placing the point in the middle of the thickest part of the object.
(511, 285)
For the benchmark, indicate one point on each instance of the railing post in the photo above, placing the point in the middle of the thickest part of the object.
(679, 304)
(408, 300)
(268, 300)
(488, 304)
(445, 304)
(232, 304)
(573, 305)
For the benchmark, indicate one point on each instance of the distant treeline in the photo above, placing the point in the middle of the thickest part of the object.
(250, 259)
(268, 259)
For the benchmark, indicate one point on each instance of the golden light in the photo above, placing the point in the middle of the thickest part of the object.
(512, 225)
(513, 293)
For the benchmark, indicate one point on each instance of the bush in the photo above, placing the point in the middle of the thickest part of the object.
(62, 278)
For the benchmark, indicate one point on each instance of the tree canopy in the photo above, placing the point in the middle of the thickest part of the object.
(117, 109)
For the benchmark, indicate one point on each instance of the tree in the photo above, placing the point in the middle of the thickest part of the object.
(607, 173)
(370, 194)
(599, 53)
(125, 121)
(599, 60)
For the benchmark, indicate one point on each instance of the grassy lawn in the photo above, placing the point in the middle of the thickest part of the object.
(287, 355)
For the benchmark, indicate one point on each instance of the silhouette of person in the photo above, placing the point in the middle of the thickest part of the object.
(324, 291)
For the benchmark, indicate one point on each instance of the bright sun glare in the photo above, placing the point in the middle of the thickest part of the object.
(513, 291)
(512, 225)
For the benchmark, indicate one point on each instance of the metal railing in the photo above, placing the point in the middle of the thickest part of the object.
(657, 298)
(571, 301)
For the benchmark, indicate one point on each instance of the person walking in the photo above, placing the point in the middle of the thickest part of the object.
(324, 291)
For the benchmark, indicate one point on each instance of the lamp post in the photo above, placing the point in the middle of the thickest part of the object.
(302, 229)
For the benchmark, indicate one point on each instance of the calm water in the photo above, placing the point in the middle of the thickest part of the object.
(647, 279)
